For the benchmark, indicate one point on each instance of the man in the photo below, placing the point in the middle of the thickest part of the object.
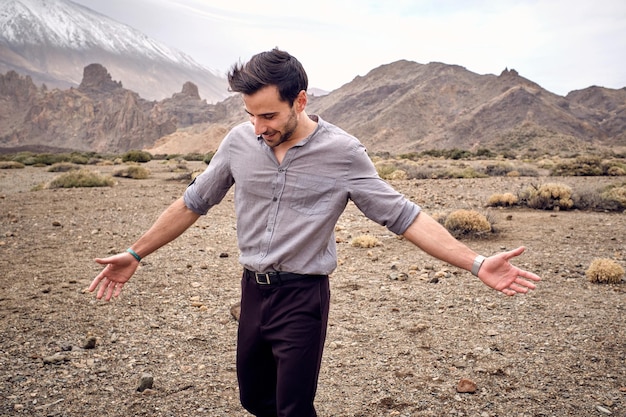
(294, 176)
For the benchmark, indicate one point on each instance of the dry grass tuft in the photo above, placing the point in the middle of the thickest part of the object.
(502, 200)
(11, 165)
(135, 172)
(467, 223)
(365, 241)
(80, 178)
(550, 196)
(63, 167)
(604, 271)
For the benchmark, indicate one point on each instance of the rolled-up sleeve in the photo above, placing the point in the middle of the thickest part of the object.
(209, 188)
(378, 200)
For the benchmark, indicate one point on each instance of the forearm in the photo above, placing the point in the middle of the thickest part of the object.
(434, 239)
(171, 223)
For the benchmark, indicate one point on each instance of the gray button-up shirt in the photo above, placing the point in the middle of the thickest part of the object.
(286, 213)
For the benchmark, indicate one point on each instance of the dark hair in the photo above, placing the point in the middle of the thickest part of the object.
(273, 67)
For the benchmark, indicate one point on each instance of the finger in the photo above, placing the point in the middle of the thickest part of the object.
(94, 284)
(103, 261)
(103, 286)
(519, 288)
(509, 292)
(111, 288)
(118, 289)
(97, 280)
(529, 275)
(513, 253)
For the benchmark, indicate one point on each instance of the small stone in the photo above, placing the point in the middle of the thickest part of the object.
(90, 342)
(603, 410)
(466, 386)
(235, 311)
(145, 382)
(223, 255)
(55, 359)
(56, 224)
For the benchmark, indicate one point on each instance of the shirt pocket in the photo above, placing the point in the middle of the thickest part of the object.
(312, 195)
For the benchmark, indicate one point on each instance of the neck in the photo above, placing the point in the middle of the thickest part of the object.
(306, 126)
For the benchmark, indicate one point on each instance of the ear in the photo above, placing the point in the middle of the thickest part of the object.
(301, 101)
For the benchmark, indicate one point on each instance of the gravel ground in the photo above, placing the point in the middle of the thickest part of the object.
(404, 328)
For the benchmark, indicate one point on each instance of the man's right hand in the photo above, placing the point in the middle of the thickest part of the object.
(118, 270)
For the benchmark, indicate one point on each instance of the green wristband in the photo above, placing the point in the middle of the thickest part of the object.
(132, 252)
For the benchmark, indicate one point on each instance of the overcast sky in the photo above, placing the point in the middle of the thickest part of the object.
(562, 45)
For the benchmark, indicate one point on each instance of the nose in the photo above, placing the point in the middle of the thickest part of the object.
(259, 126)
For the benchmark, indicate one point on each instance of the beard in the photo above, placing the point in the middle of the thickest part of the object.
(282, 135)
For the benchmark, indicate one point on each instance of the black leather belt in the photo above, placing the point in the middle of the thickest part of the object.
(278, 277)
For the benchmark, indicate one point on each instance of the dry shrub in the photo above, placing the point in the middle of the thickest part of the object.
(499, 169)
(63, 167)
(616, 194)
(137, 156)
(135, 172)
(467, 223)
(604, 271)
(616, 171)
(583, 165)
(398, 174)
(365, 241)
(463, 172)
(11, 165)
(80, 178)
(611, 198)
(548, 196)
(502, 200)
(385, 169)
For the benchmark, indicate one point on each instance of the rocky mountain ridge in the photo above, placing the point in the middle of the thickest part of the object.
(406, 106)
(397, 108)
(100, 115)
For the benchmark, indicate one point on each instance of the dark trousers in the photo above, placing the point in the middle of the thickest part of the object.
(282, 329)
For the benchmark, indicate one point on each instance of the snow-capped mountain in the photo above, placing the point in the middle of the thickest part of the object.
(53, 40)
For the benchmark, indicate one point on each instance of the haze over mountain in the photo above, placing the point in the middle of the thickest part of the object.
(53, 40)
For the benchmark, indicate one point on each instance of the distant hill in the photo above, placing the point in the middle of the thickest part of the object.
(53, 40)
(406, 107)
(398, 108)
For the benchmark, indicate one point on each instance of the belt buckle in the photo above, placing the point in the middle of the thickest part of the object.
(263, 278)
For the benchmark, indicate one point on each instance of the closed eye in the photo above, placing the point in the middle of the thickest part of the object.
(266, 116)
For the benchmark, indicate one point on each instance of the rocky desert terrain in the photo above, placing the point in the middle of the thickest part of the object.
(404, 329)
